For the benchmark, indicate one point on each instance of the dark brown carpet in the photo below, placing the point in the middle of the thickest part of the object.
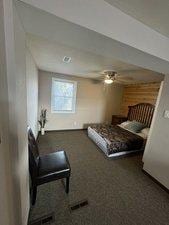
(118, 192)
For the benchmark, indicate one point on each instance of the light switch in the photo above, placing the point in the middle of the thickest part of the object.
(166, 114)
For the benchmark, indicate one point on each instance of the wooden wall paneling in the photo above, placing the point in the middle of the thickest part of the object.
(139, 93)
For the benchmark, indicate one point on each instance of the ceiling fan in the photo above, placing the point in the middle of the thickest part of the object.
(110, 76)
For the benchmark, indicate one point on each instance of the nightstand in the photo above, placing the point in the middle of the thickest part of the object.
(117, 119)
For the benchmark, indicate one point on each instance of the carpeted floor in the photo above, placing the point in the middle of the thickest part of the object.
(119, 193)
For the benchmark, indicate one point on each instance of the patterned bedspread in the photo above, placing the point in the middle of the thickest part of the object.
(118, 139)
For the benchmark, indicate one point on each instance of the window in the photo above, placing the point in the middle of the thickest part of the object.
(63, 96)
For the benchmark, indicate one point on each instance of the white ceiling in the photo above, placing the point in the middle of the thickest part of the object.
(153, 13)
(50, 38)
(108, 20)
(49, 57)
(57, 30)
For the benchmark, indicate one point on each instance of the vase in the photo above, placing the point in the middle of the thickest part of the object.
(42, 131)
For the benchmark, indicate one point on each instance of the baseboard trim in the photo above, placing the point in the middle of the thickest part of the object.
(156, 181)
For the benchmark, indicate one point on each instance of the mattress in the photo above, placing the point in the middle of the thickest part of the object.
(120, 143)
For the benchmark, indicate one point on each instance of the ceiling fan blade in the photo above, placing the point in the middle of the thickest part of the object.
(124, 82)
(95, 81)
(119, 82)
(98, 80)
(100, 77)
(124, 78)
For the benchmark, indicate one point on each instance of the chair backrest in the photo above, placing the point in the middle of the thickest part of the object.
(33, 154)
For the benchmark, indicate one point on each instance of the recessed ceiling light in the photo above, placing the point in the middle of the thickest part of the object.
(67, 59)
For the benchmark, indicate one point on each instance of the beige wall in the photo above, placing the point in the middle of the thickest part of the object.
(156, 156)
(95, 103)
(7, 213)
(14, 176)
(32, 92)
(20, 104)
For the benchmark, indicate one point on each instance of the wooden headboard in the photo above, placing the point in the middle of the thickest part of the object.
(142, 112)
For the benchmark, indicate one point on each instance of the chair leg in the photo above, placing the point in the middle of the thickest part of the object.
(34, 192)
(67, 185)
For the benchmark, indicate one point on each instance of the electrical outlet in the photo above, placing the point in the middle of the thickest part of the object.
(166, 114)
(75, 123)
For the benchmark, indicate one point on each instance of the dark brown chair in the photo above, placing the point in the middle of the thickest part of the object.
(46, 168)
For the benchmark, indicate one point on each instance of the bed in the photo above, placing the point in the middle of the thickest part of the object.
(115, 140)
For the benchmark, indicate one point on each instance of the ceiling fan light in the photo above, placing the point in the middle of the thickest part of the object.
(108, 81)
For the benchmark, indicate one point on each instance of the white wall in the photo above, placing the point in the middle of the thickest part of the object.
(14, 174)
(6, 186)
(94, 103)
(156, 156)
(21, 117)
(32, 92)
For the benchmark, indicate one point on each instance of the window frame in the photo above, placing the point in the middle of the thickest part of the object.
(73, 98)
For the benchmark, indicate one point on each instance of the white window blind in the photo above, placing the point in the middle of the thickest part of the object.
(63, 96)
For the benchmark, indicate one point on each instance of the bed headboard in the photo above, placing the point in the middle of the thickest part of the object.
(142, 112)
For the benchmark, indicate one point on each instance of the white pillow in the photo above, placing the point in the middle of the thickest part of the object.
(144, 136)
(145, 131)
(124, 124)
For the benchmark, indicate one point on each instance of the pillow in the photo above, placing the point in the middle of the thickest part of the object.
(144, 136)
(134, 126)
(124, 123)
(145, 131)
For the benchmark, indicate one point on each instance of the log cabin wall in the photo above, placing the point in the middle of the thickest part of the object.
(139, 93)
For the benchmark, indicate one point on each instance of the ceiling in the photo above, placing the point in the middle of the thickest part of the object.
(65, 33)
(49, 57)
(91, 52)
(153, 13)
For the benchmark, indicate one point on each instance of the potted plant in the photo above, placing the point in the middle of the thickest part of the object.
(42, 120)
